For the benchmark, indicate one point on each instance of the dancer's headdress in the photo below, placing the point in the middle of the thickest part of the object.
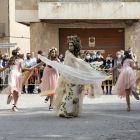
(53, 48)
(75, 41)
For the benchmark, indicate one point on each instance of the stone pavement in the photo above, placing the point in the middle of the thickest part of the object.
(103, 118)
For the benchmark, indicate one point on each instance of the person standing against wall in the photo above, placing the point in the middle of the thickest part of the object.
(1, 74)
(33, 59)
(29, 63)
(94, 55)
(6, 72)
(99, 58)
(118, 70)
(109, 65)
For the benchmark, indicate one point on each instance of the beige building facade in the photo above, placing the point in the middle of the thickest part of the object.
(48, 18)
(11, 31)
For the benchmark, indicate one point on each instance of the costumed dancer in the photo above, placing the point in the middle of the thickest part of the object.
(126, 83)
(15, 77)
(74, 74)
(50, 76)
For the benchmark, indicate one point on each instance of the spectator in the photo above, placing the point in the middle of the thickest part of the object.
(133, 56)
(94, 55)
(1, 74)
(41, 69)
(85, 54)
(32, 57)
(6, 72)
(116, 62)
(100, 59)
(122, 53)
(38, 60)
(61, 57)
(29, 63)
(35, 60)
(109, 65)
(88, 58)
(109, 57)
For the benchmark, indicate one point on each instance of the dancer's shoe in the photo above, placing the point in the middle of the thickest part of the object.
(135, 95)
(128, 109)
(15, 109)
(50, 108)
(69, 115)
(47, 99)
(9, 99)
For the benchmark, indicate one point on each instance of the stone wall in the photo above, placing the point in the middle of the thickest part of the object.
(132, 39)
(45, 35)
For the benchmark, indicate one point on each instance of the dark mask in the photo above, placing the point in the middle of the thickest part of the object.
(28, 57)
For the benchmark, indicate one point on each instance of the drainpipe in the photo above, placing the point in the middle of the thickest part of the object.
(8, 25)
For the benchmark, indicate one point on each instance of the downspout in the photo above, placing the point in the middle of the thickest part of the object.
(8, 27)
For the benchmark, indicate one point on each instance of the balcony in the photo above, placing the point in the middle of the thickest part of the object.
(89, 10)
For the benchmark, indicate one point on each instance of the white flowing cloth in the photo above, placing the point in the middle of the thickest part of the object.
(82, 74)
(69, 98)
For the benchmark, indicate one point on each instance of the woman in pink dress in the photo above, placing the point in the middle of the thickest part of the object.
(50, 76)
(15, 78)
(126, 83)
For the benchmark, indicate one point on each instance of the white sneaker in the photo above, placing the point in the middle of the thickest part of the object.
(15, 109)
(46, 100)
(35, 91)
(10, 97)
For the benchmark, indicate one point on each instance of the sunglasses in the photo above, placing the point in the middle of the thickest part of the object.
(6, 56)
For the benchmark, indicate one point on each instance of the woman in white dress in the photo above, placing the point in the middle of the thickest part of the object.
(69, 96)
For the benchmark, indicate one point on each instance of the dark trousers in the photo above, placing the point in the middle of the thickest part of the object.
(30, 87)
(1, 82)
(110, 83)
(6, 81)
(41, 75)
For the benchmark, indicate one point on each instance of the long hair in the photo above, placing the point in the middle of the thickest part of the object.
(75, 40)
(50, 57)
(127, 56)
(15, 56)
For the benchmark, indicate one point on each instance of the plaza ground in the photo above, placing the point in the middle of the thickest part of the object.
(103, 118)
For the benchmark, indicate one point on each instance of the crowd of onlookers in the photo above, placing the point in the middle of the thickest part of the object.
(107, 63)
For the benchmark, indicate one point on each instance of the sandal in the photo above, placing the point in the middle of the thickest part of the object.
(69, 115)
(128, 109)
(47, 99)
(9, 99)
(135, 95)
(61, 115)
